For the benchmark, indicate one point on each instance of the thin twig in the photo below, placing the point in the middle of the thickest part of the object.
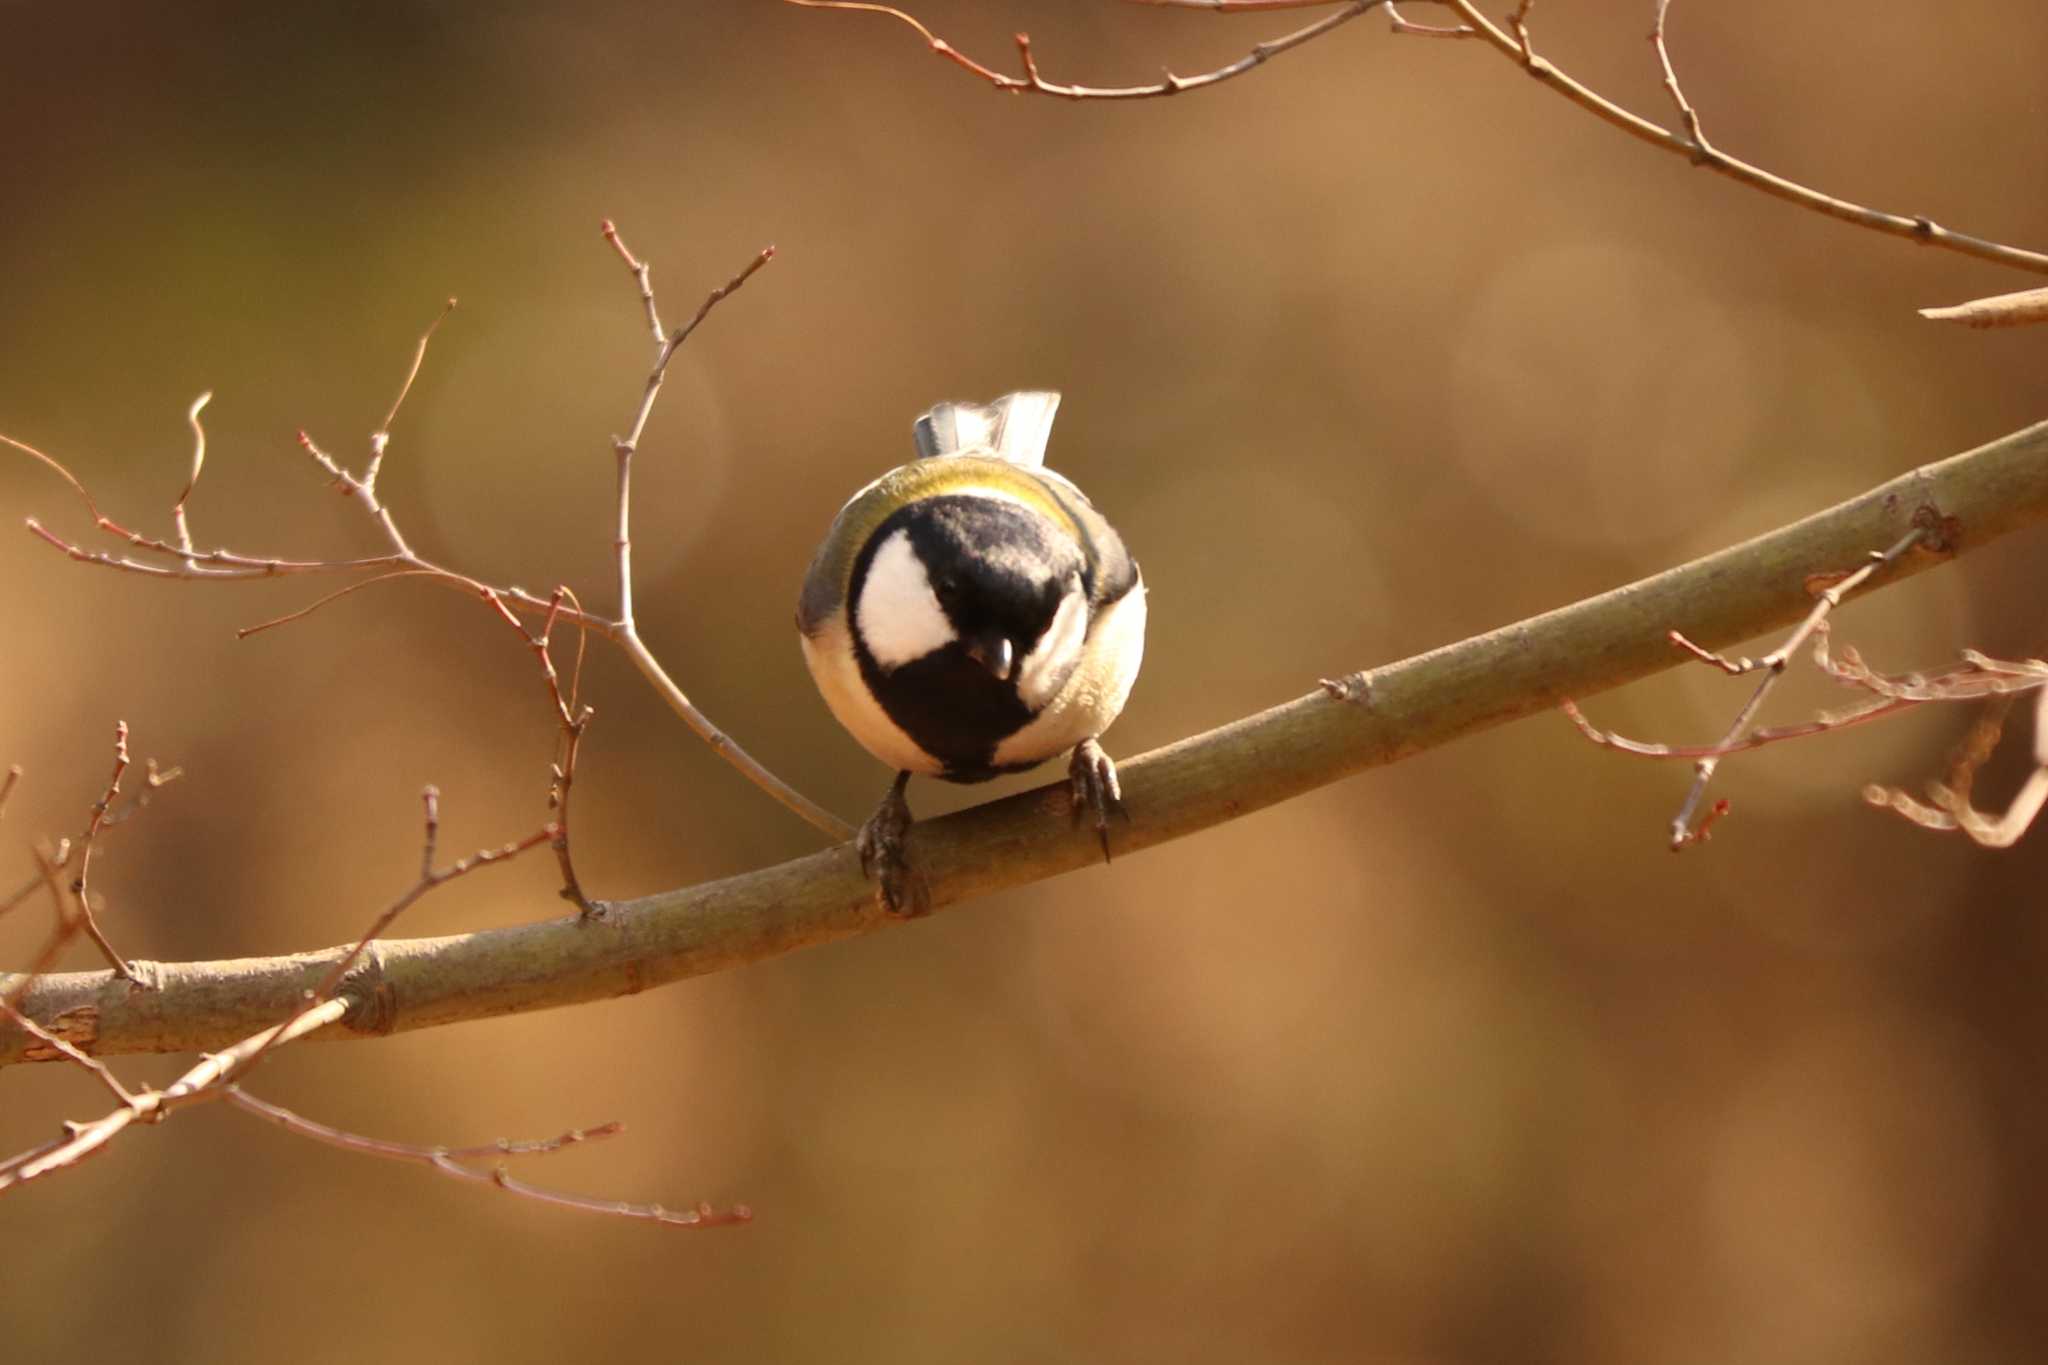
(430, 878)
(198, 463)
(453, 1162)
(1031, 82)
(1686, 113)
(643, 273)
(1923, 230)
(1825, 723)
(627, 633)
(572, 718)
(48, 866)
(82, 1140)
(624, 447)
(1773, 665)
(1952, 807)
(187, 563)
(1404, 26)
(323, 1006)
(79, 888)
(381, 437)
(7, 785)
(1512, 41)
(244, 632)
(68, 848)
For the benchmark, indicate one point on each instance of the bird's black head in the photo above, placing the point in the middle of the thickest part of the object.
(967, 614)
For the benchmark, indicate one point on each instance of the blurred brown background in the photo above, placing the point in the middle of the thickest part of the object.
(1377, 348)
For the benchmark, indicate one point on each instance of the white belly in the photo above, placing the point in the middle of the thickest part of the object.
(1095, 692)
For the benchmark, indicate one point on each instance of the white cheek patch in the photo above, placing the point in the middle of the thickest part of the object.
(1046, 668)
(898, 615)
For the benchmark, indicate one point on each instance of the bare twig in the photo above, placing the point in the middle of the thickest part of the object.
(1686, 113)
(626, 630)
(665, 351)
(7, 785)
(1976, 677)
(1403, 26)
(643, 273)
(1031, 82)
(1925, 231)
(68, 848)
(183, 560)
(1825, 723)
(1773, 664)
(322, 1006)
(1952, 807)
(80, 891)
(48, 868)
(572, 718)
(198, 463)
(244, 632)
(82, 1140)
(381, 437)
(1512, 40)
(454, 1162)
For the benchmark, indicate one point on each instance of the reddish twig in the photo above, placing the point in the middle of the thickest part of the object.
(7, 785)
(430, 878)
(1515, 45)
(1773, 664)
(82, 1140)
(1927, 527)
(454, 1162)
(244, 632)
(573, 718)
(1976, 677)
(79, 888)
(323, 1006)
(643, 273)
(1512, 40)
(67, 848)
(1031, 82)
(1825, 723)
(184, 560)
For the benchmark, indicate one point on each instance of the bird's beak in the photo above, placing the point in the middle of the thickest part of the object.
(996, 654)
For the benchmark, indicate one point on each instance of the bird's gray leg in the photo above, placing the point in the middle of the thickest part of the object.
(898, 888)
(1096, 790)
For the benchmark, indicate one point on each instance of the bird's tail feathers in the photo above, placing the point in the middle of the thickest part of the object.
(1015, 427)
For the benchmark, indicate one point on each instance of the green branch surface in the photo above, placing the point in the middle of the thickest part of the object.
(1384, 716)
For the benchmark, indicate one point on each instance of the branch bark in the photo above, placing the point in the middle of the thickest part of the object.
(1373, 719)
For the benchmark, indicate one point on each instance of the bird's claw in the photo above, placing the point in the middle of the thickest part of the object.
(1096, 790)
(882, 845)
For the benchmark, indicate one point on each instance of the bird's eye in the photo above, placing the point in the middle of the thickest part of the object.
(947, 588)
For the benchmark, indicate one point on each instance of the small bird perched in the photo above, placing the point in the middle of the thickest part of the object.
(970, 614)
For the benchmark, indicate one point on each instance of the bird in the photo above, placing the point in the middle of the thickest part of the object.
(971, 614)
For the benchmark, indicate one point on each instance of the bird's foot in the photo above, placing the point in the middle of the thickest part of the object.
(881, 843)
(1096, 790)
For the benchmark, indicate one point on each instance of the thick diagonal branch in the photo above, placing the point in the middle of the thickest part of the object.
(1392, 713)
